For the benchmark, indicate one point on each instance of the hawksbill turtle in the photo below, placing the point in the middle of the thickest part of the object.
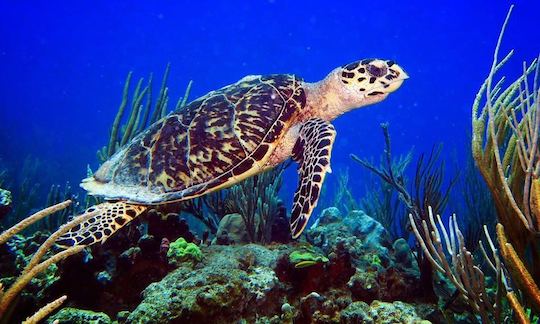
(229, 135)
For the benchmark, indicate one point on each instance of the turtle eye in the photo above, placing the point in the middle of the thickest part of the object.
(376, 71)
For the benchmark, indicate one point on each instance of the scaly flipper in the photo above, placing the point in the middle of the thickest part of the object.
(110, 218)
(312, 151)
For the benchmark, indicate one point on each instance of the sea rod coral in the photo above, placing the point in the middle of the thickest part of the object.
(36, 265)
(506, 148)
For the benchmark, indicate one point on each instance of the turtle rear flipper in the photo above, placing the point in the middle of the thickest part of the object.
(312, 151)
(110, 217)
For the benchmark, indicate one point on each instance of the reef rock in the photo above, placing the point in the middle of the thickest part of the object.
(231, 230)
(381, 271)
(403, 253)
(79, 316)
(381, 312)
(231, 282)
(356, 312)
(358, 231)
(330, 215)
(371, 232)
(278, 283)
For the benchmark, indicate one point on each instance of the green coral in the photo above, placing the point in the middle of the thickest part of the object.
(79, 316)
(180, 251)
(376, 260)
(306, 257)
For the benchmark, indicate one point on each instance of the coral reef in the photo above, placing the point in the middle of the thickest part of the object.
(163, 223)
(180, 251)
(79, 316)
(116, 272)
(351, 260)
(248, 212)
(15, 256)
(393, 181)
(382, 271)
(384, 205)
(230, 283)
(382, 312)
(362, 231)
(235, 283)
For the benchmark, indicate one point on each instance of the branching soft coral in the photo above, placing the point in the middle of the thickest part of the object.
(36, 265)
(445, 249)
(427, 190)
(141, 112)
(506, 148)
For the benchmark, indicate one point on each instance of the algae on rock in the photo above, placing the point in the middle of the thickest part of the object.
(222, 288)
(71, 315)
(381, 313)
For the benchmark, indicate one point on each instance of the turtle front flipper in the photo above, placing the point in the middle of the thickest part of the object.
(312, 151)
(110, 217)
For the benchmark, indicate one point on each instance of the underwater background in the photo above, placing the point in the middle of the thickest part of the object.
(63, 66)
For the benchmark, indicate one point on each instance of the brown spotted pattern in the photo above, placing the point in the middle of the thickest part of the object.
(368, 74)
(312, 151)
(216, 137)
(109, 218)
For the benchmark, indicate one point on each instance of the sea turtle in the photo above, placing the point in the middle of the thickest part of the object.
(229, 135)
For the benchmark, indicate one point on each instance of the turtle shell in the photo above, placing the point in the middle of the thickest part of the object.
(215, 141)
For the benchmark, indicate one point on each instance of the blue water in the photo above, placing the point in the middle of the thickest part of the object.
(63, 64)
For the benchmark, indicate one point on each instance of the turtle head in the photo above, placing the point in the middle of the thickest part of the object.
(371, 78)
(358, 84)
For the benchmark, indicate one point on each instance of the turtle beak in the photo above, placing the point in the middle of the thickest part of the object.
(397, 75)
